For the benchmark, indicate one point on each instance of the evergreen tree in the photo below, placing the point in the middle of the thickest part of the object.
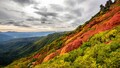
(102, 8)
(110, 1)
(107, 5)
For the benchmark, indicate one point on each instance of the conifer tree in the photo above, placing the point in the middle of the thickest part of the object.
(102, 8)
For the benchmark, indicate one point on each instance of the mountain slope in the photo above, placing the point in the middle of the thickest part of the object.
(101, 51)
(12, 48)
(17, 48)
(94, 44)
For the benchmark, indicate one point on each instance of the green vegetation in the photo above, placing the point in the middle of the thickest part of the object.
(15, 48)
(101, 51)
(46, 50)
(18, 48)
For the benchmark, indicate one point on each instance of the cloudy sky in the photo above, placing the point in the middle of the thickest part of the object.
(46, 15)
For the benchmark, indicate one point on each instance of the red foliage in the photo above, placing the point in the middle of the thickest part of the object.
(73, 45)
(102, 23)
(52, 55)
(115, 20)
(37, 56)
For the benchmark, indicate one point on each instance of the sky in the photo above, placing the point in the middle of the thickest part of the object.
(46, 15)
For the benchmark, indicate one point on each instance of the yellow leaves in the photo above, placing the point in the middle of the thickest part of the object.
(112, 32)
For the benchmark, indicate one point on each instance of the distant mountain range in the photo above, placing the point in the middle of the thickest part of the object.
(4, 36)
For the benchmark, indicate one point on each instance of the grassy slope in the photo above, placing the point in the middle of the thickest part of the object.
(102, 51)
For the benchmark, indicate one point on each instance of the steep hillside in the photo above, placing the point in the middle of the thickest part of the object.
(17, 48)
(95, 44)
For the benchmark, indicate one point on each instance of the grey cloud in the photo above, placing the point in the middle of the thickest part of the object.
(24, 2)
(70, 2)
(72, 13)
(46, 14)
(71, 10)
(17, 11)
(80, 1)
(36, 8)
(73, 3)
(4, 15)
(43, 19)
(15, 23)
(68, 16)
(32, 19)
(43, 9)
(57, 7)
(77, 12)
(76, 22)
(47, 20)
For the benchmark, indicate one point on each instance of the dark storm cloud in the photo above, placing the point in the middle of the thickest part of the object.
(15, 23)
(24, 2)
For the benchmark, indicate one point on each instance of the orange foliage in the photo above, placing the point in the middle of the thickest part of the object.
(100, 23)
(73, 45)
(37, 56)
(52, 55)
